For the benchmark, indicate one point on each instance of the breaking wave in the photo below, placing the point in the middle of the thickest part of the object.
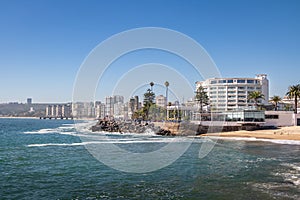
(253, 139)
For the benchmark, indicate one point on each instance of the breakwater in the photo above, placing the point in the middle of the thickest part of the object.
(168, 128)
(129, 127)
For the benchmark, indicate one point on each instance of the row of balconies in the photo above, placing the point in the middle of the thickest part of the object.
(233, 88)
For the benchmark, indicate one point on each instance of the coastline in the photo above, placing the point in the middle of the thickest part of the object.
(282, 133)
(7, 117)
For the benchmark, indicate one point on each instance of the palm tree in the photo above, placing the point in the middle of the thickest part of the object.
(256, 95)
(167, 86)
(151, 85)
(294, 92)
(276, 99)
(201, 97)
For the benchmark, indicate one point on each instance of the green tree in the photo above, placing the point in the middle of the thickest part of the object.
(256, 95)
(201, 98)
(287, 107)
(149, 97)
(276, 99)
(294, 92)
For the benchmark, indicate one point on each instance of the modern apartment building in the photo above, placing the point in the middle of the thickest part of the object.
(58, 110)
(110, 102)
(100, 110)
(227, 94)
(161, 101)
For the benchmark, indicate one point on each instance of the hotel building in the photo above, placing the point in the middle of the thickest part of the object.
(226, 94)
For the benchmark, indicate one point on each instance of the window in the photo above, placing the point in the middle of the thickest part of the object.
(231, 92)
(213, 88)
(229, 81)
(241, 88)
(222, 81)
(231, 101)
(241, 92)
(213, 82)
(250, 81)
(272, 116)
(231, 88)
(258, 88)
(214, 92)
(222, 101)
(221, 88)
(221, 92)
(250, 88)
(241, 96)
(222, 97)
(241, 81)
(231, 96)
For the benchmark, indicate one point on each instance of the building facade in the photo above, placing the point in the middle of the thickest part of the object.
(226, 94)
(161, 101)
(110, 102)
(58, 110)
(29, 101)
(100, 110)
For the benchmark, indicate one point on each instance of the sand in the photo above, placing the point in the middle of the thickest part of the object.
(282, 133)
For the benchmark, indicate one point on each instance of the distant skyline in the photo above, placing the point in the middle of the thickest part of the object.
(43, 43)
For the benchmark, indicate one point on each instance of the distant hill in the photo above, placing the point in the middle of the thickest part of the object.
(22, 110)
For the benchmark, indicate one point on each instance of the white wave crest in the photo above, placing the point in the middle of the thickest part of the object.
(41, 131)
(113, 141)
(290, 142)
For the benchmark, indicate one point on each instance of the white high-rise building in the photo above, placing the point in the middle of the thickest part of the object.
(232, 93)
(100, 110)
(161, 101)
(66, 110)
(110, 104)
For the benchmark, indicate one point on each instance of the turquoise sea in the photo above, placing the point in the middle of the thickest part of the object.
(46, 159)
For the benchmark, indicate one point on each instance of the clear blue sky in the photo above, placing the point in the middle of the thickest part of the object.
(43, 43)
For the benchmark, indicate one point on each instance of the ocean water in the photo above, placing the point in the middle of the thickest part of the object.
(47, 159)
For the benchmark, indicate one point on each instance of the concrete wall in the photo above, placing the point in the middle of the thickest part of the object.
(285, 118)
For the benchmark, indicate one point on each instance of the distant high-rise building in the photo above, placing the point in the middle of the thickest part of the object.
(58, 112)
(161, 101)
(100, 110)
(48, 111)
(29, 101)
(53, 110)
(136, 103)
(66, 110)
(110, 104)
(118, 99)
(133, 106)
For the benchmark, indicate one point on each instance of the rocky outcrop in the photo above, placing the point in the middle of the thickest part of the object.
(128, 127)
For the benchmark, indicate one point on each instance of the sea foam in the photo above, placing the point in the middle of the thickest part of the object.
(253, 139)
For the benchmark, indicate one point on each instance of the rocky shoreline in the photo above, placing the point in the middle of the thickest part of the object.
(129, 127)
(166, 128)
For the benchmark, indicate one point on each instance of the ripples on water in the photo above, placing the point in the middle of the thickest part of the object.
(46, 159)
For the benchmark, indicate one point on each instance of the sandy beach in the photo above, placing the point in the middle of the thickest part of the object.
(282, 133)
